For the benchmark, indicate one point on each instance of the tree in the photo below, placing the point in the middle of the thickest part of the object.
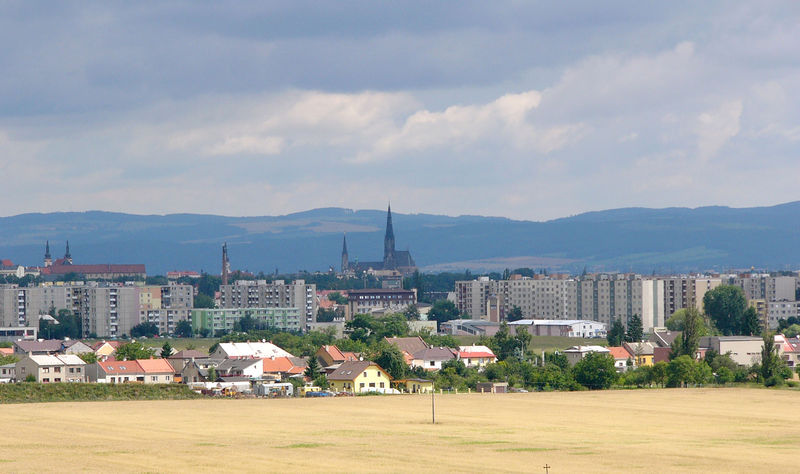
(312, 371)
(88, 357)
(522, 341)
(658, 373)
(202, 300)
(688, 341)
(134, 351)
(443, 310)
(750, 323)
(144, 330)
(211, 375)
(676, 321)
(595, 371)
(515, 314)
(725, 305)
(502, 343)
(30, 378)
(680, 371)
(792, 331)
(616, 334)
(771, 362)
(390, 358)
(635, 331)
(184, 329)
(337, 298)
(325, 315)
(412, 313)
(166, 350)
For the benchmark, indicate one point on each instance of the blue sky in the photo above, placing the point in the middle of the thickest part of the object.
(531, 110)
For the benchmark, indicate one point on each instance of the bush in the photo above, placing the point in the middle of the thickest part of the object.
(60, 392)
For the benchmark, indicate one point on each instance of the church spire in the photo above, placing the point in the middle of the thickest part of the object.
(48, 260)
(225, 264)
(67, 255)
(388, 241)
(345, 257)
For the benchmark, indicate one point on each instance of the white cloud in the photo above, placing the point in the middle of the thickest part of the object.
(715, 127)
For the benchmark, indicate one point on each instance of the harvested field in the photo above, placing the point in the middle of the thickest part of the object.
(678, 430)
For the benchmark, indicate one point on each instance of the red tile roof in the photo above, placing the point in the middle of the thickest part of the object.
(475, 355)
(619, 352)
(156, 366)
(121, 367)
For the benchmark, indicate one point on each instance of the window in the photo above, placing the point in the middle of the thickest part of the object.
(362, 385)
(372, 384)
(381, 384)
(45, 380)
(433, 363)
(154, 378)
(45, 370)
(57, 370)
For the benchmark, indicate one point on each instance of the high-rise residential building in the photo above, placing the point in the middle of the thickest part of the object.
(220, 320)
(275, 294)
(766, 287)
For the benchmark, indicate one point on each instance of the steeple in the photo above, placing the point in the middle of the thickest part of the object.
(345, 258)
(67, 255)
(48, 260)
(388, 241)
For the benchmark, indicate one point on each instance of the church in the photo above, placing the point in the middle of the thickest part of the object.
(393, 260)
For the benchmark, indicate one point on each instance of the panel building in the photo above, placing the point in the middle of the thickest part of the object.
(276, 294)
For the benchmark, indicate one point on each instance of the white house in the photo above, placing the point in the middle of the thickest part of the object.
(248, 350)
(565, 328)
(250, 368)
(432, 358)
(476, 356)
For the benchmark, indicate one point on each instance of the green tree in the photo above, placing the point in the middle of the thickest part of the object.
(312, 370)
(412, 312)
(184, 329)
(725, 305)
(658, 373)
(503, 344)
(595, 371)
(680, 371)
(522, 341)
(676, 321)
(616, 334)
(134, 351)
(750, 323)
(390, 358)
(144, 330)
(557, 359)
(792, 331)
(166, 350)
(211, 375)
(515, 314)
(771, 362)
(635, 331)
(88, 357)
(8, 359)
(337, 298)
(30, 378)
(688, 341)
(202, 300)
(326, 315)
(442, 311)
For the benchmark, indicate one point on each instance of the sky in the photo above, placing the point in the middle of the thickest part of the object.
(529, 110)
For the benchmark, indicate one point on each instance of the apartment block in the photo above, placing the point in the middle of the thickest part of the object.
(219, 320)
(277, 294)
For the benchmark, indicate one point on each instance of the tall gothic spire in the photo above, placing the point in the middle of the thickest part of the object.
(47, 250)
(388, 239)
(345, 257)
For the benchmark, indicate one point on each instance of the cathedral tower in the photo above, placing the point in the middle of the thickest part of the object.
(345, 258)
(388, 241)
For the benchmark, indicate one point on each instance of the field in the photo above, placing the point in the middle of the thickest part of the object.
(679, 430)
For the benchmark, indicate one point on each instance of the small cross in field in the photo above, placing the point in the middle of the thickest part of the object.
(547, 469)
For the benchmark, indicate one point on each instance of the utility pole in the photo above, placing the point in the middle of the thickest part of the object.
(546, 468)
(433, 406)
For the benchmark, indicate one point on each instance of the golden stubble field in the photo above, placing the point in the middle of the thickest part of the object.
(679, 430)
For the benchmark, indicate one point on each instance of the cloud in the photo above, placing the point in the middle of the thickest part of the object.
(716, 127)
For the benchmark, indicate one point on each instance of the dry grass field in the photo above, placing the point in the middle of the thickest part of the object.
(679, 430)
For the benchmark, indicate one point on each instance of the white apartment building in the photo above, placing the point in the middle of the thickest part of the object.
(277, 294)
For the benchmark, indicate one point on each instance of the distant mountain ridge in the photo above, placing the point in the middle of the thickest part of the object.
(627, 239)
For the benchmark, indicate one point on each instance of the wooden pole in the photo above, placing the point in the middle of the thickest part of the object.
(433, 406)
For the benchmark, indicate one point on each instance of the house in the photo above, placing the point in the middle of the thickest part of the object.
(790, 350)
(248, 350)
(8, 372)
(331, 355)
(476, 356)
(75, 347)
(433, 358)
(248, 368)
(408, 346)
(284, 367)
(663, 338)
(359, 377)
(39, 347)
(491, 387)
(115, 371)
(105, 348)
(621, 357)
(196, 371)
(52, 368)
(415, 385)
(563, 328)
(181, 358)
(642, 352)
(157, 370)
(661, 354)
(744, 350)
(576, 353)
(6, 351)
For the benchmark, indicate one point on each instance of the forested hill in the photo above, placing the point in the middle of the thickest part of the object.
(637, 239)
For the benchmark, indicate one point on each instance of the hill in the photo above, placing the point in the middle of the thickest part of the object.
(631, 239)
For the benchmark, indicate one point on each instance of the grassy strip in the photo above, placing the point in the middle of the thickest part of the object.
(69, 392)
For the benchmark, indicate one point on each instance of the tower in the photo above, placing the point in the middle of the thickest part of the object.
(345, 259)
(226, 267)
(67, 255)
(48, 260)
(388, 242)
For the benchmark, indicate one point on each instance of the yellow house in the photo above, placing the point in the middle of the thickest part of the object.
(359, 376)
(415, 385)
(642, 353)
